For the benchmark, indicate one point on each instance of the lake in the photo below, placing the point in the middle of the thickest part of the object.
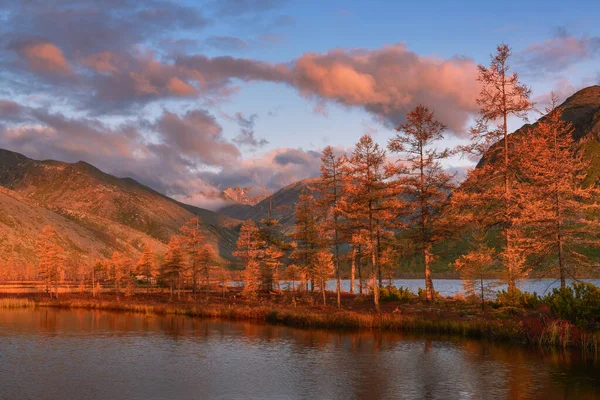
(450, 287)
(80, 354)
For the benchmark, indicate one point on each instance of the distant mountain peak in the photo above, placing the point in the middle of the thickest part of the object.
(245, 195)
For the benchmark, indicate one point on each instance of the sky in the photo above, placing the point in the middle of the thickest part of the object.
(191, 97)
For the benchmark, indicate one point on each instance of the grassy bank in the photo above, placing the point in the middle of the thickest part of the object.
(446, 317)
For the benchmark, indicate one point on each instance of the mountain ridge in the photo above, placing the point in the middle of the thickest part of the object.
(83, 193)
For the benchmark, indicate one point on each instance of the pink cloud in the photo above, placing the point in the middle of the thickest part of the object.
(44, 57)
(179, 88)
(390, 81)
(556, 54)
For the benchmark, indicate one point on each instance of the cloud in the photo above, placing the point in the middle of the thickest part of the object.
(226, 43)
(269, 38)
(91, 26)
(390, 81)
(387, 82)
(123, 80)
(104, 62)
(43, 57)
(236, 8)
(559, 53)
(295, 157)
(270, 170)
(182, 145)
(10, 111)
(198, 136)
(246, 136)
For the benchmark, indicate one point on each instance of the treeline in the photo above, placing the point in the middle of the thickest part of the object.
(189, 263)
(528, 206)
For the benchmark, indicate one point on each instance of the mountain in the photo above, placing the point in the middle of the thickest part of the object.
(21, 222)
(281, 206)
(582, 110)
(119, 210)
(247, 195)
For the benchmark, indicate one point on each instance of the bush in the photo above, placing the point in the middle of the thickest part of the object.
(579, 304)
(517, 298)
(391, 293)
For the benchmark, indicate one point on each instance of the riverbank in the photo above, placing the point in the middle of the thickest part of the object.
(447, 316)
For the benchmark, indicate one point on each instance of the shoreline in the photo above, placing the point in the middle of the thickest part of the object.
(531, 328)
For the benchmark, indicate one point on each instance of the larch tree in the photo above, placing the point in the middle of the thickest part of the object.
(119, 265)
(145, 265)
(330, 192)
(173, 265)
(194, 242)
(425, 184)
(51, 258)
(324, 267)
(475, 268)
(502, 95)
(305, 236)
(559, 221)
(250, 249)
(205, 260)
(367, 190)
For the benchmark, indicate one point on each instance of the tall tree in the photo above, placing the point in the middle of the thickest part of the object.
(559, 223)
(119, 268)
(425, 183)
(250, 249)
(305, 236)
(194, 244)
(329, 187)
(173, 265)
(205, 259)
(367, 191)
(502, 95)
(324, 266)
(145, 265)
(51, 258)
(475, 268)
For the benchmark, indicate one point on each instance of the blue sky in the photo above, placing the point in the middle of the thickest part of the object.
(193, 97)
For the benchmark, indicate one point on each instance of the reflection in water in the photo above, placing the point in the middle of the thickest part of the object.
(52, 354)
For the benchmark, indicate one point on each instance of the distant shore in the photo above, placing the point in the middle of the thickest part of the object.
(453, 316)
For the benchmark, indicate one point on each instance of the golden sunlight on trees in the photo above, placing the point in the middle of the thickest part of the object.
(425, 184)
(250, 249)
(369, 200)
(330, 192)
(145, 265)
(51, 259)
(489, 194)
(559, 223)
(172, 268)
(306, 237)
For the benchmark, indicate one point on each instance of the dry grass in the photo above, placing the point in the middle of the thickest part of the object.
(10, 302)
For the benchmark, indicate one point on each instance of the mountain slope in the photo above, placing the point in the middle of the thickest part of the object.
(92, 198)
(22, 221)
(582, 110)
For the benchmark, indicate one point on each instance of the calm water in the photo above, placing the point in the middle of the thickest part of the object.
(61, 354)
(452, 287)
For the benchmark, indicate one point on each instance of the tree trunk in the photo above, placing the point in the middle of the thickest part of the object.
(353, 270)
(430, 294)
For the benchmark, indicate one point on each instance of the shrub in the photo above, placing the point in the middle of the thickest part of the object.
(579, 304)
(391, 293)
(423, 294)
(517, 298)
